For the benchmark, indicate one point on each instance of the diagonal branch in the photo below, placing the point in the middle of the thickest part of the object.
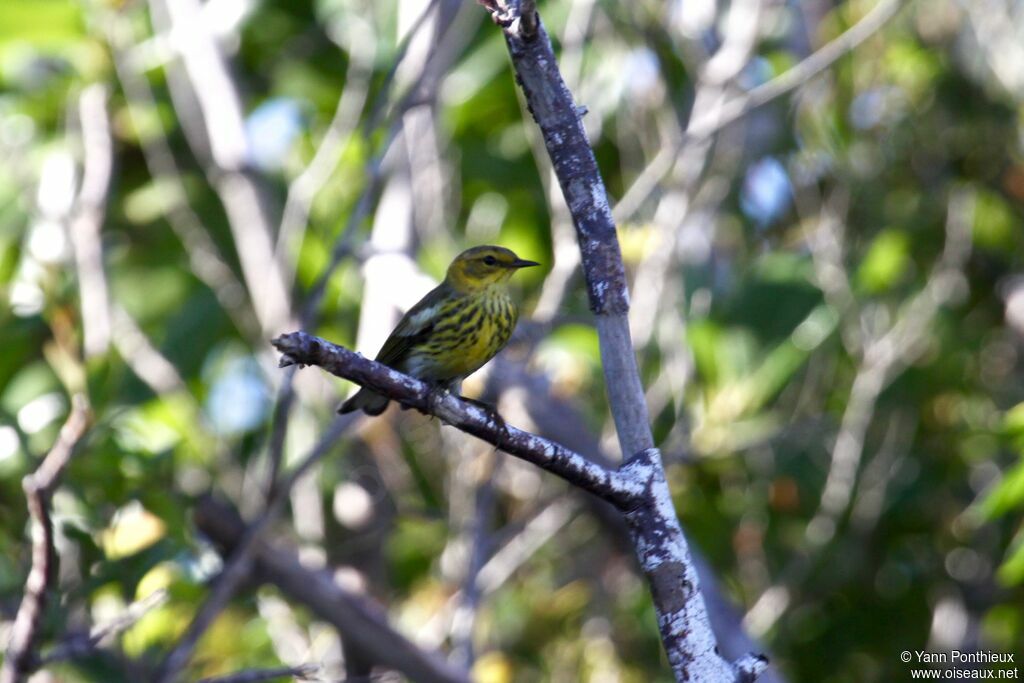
(655, 531)
(86, 644)
(715, 120)
(38, 486)
(356, 618)
(238, 567)
(705, 123)
(304, 349)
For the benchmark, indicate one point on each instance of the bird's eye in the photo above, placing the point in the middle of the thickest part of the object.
(490, 260)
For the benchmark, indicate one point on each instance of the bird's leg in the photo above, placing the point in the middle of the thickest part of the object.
(439, 390)
(436, 392)
(494, 416)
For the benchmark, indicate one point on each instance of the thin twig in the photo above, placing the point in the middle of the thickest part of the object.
(204, 69)
(38, 487)
(378, 109)
(359, 620)
(83, 645)
(143, 357)
(238, 567)
(87, 222)
(345, 244)
(528, 18)
(304, 188)
(476, 541)
(300, 196)
(715, 120)
(205, 258)
(503, 564)
(885, 355)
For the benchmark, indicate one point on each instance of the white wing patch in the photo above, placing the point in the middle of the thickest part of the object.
(420, 319)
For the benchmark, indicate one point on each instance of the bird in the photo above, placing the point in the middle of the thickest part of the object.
(453, 330)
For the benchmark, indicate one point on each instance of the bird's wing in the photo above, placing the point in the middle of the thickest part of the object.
(414, 327)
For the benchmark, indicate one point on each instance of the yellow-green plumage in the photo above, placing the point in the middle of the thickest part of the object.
(456, 328)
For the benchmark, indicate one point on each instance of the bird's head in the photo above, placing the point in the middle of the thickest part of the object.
(480, 267)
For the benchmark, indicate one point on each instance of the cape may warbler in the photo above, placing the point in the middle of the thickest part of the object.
(454, 329)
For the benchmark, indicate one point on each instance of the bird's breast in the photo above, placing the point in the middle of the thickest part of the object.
(465, 340)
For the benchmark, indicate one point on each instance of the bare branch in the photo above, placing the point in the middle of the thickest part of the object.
(83, 645)
(238, 568)
(359, 621)
(555, 112)
(717, 119)
(88, 219)
(705, 123)
(657, 537)
(665, 559)
(206, 74)
(304, 349)
(38, 487)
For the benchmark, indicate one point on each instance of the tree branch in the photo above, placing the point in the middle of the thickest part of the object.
(358, 620)
(715, 120)
(305, 349)
(238, 567)
(87, 222)
(86, 644)
(655, 531)
(638, 489)
(38, 486)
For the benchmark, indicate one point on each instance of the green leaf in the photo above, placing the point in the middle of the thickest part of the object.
(1007, 495)
(42, 23)
(1011, 572)
(886, 262)
(996, 226)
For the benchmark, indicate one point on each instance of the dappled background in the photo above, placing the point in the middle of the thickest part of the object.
(828, 309)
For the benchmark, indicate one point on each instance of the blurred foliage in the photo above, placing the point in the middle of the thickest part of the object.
(750, 361)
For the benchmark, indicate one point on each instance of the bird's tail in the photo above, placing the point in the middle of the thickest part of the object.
(371, 403)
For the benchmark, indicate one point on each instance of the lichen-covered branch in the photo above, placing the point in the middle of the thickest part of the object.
(305, 349)
(655, 531)
(638, 489)
(665, 560)
(558, 118)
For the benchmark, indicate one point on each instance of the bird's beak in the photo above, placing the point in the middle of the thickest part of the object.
(522, 263)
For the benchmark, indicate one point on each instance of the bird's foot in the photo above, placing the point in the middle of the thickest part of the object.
(494, 416)
(435, 394)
